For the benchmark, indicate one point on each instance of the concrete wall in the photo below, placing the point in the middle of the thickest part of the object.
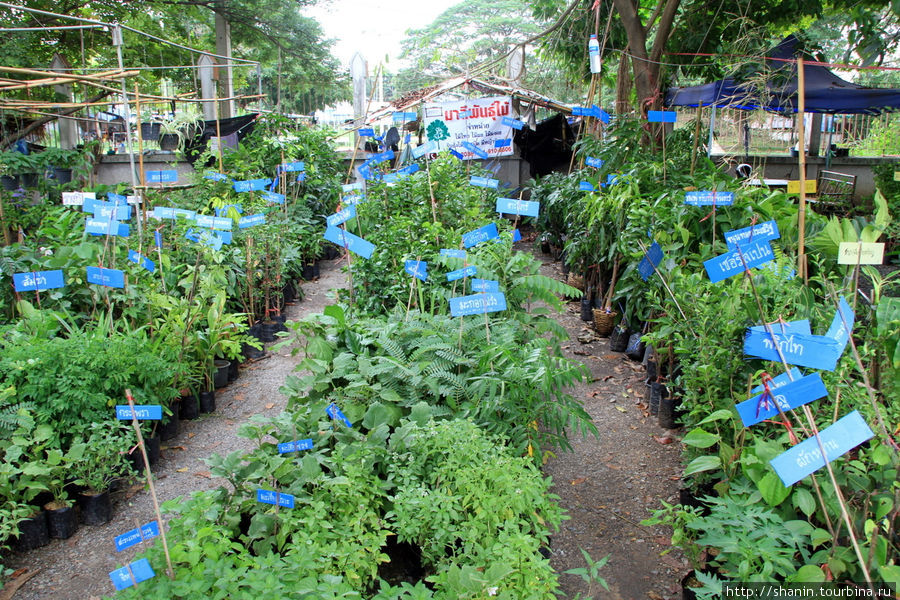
(115, 168)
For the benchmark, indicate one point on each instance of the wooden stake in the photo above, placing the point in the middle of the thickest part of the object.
(159, 520)
(801, 143)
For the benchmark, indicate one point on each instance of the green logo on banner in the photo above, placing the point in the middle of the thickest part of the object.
(437, 131)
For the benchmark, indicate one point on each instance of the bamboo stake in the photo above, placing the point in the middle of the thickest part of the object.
(801, 134)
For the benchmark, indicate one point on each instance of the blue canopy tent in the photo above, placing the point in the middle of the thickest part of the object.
(825, 92)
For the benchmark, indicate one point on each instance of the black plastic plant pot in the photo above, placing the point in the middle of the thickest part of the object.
(652, 400)
(667, 411)
(307, 273)
(62, 176)
(10, 182)
(657, 392)
(62, 523)
(169, 426)
(190, 408)
(207, 402)
(316, 270)
(153, 447)
(233, 371)
(96, 509)
(29, 180)
(251, 353)
(267, 331)
(32, 533)
(587, 309)
(635, 347)
(220, 379)
(618, 339)
(652, 370)
(288, 292)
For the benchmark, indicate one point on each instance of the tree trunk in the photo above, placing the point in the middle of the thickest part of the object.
(623, 85)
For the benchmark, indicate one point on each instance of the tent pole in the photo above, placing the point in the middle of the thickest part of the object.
(830, 137)
(801, 144)
(712, 127)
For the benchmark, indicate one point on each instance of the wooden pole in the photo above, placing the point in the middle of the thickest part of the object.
(801, 144)
(218, 131)
(137, 110)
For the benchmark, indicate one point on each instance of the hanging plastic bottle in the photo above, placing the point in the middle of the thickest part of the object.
(594, 53)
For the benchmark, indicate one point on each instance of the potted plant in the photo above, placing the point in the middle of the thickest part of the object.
(23, 476)
(65, 163)
(18, 169)
(103, 461)
(174, 132)
(62, 520)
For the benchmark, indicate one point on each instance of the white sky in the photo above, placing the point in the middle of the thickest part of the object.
(374, 27)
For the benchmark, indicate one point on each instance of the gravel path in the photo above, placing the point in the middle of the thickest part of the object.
(607, 485)
(78, 568)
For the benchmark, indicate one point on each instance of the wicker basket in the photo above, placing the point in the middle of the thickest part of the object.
(604, 321)
(576, 281)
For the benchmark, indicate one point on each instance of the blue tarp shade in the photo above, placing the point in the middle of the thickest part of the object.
(825, 91)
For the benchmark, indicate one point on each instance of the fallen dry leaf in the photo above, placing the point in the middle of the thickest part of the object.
(270, 405)
(663, 540)
(174, 448)
(608, 377)
(613, 467)
(663, 439)
(579, 481)
(581, 353)
(191, 434)
(239, 397)
(654, 596)
(672, 561)
(181, 470)
(206, 474)
(610, 356)
(621, 408)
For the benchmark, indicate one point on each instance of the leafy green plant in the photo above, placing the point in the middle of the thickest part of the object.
(103, 455)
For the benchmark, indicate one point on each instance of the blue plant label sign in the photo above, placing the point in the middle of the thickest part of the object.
(295, 446)
(780, 380)
(788, 396)
(503, 143)
(352, 242)
(113, 278)
(651, 260)
(457, 154)
(838, 331)
(485, 182)
(223, 212)
(426, 148)
(586, 186)
(251, 185)
(366, 172)
(366, 132)
(168, 176)
(517, 235)
(469, 271)
(187, 215)
(38, 280)
(813, 351)
(205, 221)
(352, 199)
(761, 232)
(408, 170)
(709, 198)
(730, 264)
(114, 198)
(383, 156)
(806, 457)
(251, 221)
(140, 570)
(475, 150)
(602, 115)
(213, 176)
(485, 285)
(143, 261)
(301, 176)
(207, 238)
(87, 204)
(661, 116)
(453, 253)
(482, 234)
(148, 412)
(116, 212)
(786, 327)
(157, 238)
(593, 162)
(96, 226)
(136, 536)
(580, 111)
(225, 236)
(342, 216)
(417, 268)
(511, 206)
(273, 197)
(403, 117)
(390, 178)
(477, 304)
(336, 414)
(293, 167)
(274, 498)
(514, 123)
(349, 187)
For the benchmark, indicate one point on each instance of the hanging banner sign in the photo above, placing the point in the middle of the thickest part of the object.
(813, 351)
(511, 206)
(347, 240)
(476, 121)
(482, 234)
(213, 176)
(169, 176)
(293, 167)
(485, 285)
(251, 221)
(793, 394)
(145, 262)
(709, 198)
(860, 253)
(337, 414)
(806, 457)
(485, 182)
(136, 536)
(453, 253)
(136, 572)
(296, 446)
(38, 280)
(251, 185)
(730, 264)
(648, 264)
(761, 232)
(661, 116)
(150, 412)
(838, 331)
(469, 271)
(426, 148)
(274, 498)
(417, 268)
(477, 304)
(593, 162)
(342, 216)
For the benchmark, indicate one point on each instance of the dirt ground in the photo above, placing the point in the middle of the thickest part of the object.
(607, 485)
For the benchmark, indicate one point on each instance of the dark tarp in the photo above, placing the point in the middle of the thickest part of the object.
(238, 126)
(549, 147)
(825, 91)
